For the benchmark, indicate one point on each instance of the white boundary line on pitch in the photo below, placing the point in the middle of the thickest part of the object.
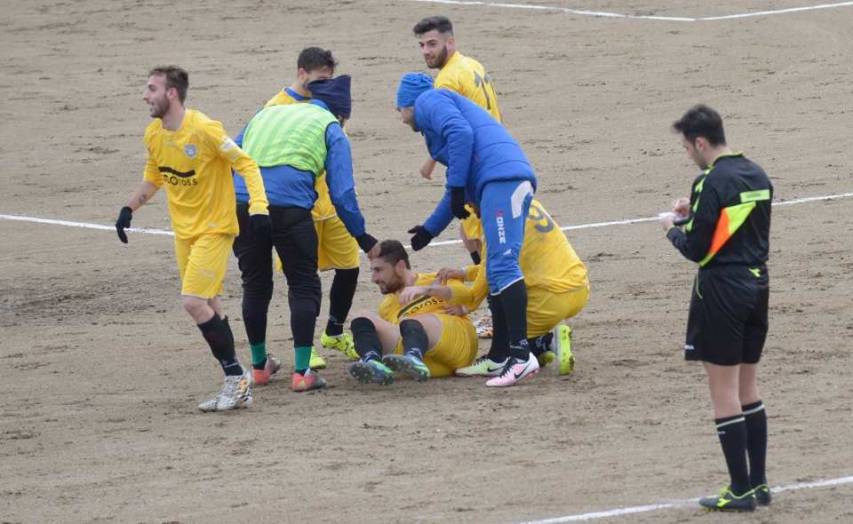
(630, 221)
(618, 512)
(593, 225)
(606, 14)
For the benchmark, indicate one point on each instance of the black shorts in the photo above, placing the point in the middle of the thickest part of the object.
(727, 324)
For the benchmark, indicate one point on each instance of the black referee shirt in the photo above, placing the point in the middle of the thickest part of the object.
(730, 215)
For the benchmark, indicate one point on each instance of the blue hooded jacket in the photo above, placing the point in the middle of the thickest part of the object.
(475, 147)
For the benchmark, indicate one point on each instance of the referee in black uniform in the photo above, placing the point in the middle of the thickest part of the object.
(726, 230)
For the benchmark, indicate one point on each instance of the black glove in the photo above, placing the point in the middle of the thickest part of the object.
(457, 203)
(421, 237)
(123, 222)
(261, 226)
(366, 242)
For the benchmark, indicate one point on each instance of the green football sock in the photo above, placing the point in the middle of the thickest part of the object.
(303, 359)
(259, 355)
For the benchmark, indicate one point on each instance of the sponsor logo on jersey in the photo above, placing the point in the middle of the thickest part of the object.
(190, 150)
(174, 177)
(501, 227)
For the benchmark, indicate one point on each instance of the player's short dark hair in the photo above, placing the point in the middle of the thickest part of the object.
(314, 58)
(392, 251)
(701, 120)
(176, 77)
(439, 23)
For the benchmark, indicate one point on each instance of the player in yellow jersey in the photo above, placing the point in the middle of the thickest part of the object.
(412, 335)
(336, 247)
(191, 156)
(557, 289)
(466, 76)
(456, 72)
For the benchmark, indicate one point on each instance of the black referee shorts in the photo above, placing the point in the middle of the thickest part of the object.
(727, 324)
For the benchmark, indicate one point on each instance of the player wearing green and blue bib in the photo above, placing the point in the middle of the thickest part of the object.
(293, 144)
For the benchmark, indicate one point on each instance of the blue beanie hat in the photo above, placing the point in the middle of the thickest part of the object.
(411, 86)
(335, 94)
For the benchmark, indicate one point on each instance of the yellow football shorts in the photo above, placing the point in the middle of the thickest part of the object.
(337, 248)
(456, 349)
(202, 263)
(546, 309)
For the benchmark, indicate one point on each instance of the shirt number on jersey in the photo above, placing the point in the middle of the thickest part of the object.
(542, 221)
(485, 84)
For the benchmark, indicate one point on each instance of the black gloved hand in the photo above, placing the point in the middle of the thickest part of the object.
(366, 242)
(457, 203)
(421, 237)
(123, 222)
(261, 226)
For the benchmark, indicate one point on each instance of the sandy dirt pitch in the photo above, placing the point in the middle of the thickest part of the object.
(102, 369)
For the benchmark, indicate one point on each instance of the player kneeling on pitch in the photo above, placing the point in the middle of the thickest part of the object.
(413, 334)
(557, 289)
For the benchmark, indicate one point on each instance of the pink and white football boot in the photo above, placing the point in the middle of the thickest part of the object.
(514, 371)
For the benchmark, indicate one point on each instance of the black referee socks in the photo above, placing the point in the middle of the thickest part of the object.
(732, 433)
(756, 441)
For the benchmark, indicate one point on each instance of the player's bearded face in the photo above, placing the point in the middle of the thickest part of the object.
(155, 97)
(385, 276)
(439, 59)
(434, 49)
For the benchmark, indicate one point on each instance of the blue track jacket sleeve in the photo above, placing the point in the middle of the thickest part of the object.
(441, 217)
(446, 119)
(340, 181)
(239, 138)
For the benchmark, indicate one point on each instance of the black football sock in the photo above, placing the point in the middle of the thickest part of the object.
(514, 302)
(217, 333)
(333, 327)
(366, 339)
(540, 344)
(756, 441)
(340, 299)
(414, 337)
(732, 434)
(499, 350)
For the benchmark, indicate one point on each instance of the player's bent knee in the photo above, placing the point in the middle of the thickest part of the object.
(361, 322)
(195, 306)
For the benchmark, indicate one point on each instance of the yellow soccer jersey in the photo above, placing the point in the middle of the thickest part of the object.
(323, 207)
(547, 260)
(391, 310)
(471, 226)
(194, 164)
(466, 76)
(282, 98)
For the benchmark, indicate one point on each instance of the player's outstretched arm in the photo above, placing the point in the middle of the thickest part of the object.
(341, 184)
